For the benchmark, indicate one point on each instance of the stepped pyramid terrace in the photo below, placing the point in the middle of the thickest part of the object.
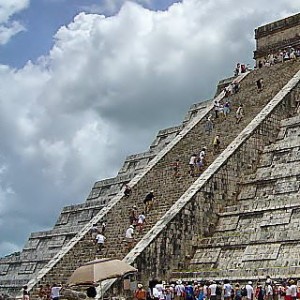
(238, 220)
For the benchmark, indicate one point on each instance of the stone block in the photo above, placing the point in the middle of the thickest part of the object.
(27, 268)
(63, 219)
(56, 242)
(4, 269)
(264, 190)
(294, 154)
(283, 187)
(261, 252)
(248, 191)
(266, 160)
(31, 244)
(227, 223)
(277, 217)
(206, 256)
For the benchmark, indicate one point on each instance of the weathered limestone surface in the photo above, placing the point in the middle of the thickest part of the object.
(174, 223)
(260, 233)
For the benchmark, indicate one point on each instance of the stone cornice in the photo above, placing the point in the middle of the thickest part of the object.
(277, 26)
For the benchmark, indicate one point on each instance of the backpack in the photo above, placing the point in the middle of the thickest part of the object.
(243, 291)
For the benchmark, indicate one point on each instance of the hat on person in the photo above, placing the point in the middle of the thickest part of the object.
(140, 285)
(250, 282)
(131, 226)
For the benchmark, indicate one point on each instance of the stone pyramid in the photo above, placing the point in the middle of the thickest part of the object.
(209, 226)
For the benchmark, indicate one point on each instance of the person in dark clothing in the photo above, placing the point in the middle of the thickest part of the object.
(148, 201)
(127, 191)
(259, 84)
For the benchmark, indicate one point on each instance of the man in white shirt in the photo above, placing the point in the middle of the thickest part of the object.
(227, 290)
(100, 238)
(55, 292)
(192, 164)
(129, 236)
(293, 289)
(212, 291)
(179, 290)
(94, 231)
(249, 289)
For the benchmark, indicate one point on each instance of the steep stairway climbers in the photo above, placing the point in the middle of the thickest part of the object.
(259, 235)
(159, 178)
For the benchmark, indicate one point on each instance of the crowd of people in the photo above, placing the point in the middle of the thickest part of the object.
(217, 290)
(45, 292)
(279, 57)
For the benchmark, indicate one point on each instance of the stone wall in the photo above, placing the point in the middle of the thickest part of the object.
(259, 235)
(170, 243)
(275, 36)
(237, 250)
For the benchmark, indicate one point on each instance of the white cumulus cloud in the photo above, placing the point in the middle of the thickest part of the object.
(8, 27)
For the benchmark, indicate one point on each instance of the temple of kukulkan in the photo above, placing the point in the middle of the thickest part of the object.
(239, 219)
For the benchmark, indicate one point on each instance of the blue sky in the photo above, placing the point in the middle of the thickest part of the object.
(43, 18)
(94, 83)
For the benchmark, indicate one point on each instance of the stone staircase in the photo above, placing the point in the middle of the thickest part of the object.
(259, 235)
(157, 176)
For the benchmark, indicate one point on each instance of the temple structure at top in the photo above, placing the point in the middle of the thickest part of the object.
(276, 36)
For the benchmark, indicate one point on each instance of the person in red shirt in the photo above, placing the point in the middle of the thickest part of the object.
(140, 293)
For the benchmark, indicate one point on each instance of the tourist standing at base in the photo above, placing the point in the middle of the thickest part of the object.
(91, 292)
(42, 293)
(237, 292)
(179, 290)
(212, 291)
(140, 293)
(268, 290)
(55, 291)
(293, 289)
(189, 291)
(227, 289)
(250, 291)
(260, 292)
